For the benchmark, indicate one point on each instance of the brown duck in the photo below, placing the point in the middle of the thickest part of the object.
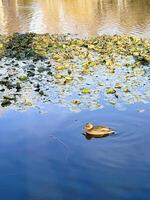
(97, 131)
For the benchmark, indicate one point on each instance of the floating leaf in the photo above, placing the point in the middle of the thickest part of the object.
(86, 91)
(28, 103)
(77, 102)
(118, 86)
(23, 78)
(126, 90)
(1, 45)
(60, 67)
(5, 103)
(58, 76)
(111, 91)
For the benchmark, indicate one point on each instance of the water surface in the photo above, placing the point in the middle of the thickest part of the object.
(43, 154)
(76, 16)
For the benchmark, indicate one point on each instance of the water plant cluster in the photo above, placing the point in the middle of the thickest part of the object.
(76, 73)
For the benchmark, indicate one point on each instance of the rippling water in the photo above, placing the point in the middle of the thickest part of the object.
(76, 16)
(43, 154)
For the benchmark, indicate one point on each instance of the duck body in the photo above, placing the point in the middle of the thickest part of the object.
(97, 131)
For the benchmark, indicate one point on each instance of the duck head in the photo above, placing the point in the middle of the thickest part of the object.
(88, 126)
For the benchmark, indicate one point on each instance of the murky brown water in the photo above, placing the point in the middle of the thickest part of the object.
(82, 17)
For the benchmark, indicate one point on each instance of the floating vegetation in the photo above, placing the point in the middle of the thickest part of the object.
(76, 73)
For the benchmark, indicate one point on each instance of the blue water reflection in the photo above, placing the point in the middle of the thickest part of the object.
(45, 156)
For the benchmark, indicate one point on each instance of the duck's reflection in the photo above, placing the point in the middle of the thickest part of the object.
(89, 137)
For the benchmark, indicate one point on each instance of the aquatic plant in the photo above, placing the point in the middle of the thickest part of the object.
(76, 73)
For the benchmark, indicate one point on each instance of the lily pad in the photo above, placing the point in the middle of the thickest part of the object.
(23, 78)
(111, 91)
(86, 91)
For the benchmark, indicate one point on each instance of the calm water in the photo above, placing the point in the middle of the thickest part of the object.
(82, 17)
(45, 156)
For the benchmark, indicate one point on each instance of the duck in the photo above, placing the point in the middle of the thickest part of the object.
(97, 131)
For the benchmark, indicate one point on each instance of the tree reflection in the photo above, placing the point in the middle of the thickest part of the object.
(84, 17)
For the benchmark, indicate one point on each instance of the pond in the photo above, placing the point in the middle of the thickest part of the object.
(44, 154)
(76, 16)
